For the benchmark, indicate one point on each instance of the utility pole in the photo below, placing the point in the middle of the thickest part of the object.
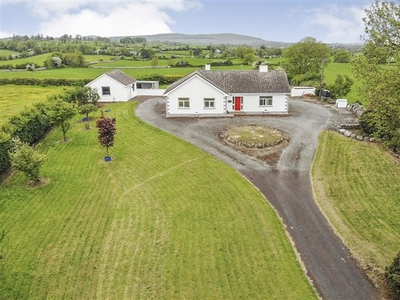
(322, 78)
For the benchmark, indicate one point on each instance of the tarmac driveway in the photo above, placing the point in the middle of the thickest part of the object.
(328, 262)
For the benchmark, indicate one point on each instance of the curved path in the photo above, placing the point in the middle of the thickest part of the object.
(328, 262)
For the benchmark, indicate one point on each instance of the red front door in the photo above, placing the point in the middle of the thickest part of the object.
(238, 103)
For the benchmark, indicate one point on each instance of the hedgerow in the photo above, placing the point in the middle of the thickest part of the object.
(29, 126)
(45, 82)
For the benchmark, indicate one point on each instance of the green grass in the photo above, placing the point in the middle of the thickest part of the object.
(16, 98)
(4, 52)
(156, 222)
(332, 70)
(92, 73)
(36, 59)
(357, 186)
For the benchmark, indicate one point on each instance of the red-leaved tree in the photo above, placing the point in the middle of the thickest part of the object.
(107, 131)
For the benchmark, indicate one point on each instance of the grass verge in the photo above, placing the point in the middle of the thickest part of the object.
(163, 220)
(357, 187)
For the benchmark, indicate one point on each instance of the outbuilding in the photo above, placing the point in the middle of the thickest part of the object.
(117, 86)
(341, 103)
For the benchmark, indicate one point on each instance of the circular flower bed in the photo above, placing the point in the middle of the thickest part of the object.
(254, 136)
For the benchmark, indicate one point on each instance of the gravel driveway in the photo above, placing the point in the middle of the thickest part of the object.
(287, 186)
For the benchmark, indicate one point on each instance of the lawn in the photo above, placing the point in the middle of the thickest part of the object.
(16, 98)
(357, 187)
(156, 222)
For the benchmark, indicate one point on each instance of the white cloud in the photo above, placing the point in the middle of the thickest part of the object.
(108, 17)
(338, 23)
(4, 34)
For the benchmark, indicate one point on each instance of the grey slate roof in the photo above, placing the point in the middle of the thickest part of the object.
(242, 81)
(121, 77)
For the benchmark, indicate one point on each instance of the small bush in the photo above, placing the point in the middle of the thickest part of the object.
(392, 274)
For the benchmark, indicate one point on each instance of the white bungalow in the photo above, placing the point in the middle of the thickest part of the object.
(117, 86)
(225, 93)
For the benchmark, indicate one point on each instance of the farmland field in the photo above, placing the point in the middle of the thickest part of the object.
(15, 98)
(162, 220)
(357, 186)
(141, 68)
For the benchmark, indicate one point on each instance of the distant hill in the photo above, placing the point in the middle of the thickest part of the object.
(207, 39)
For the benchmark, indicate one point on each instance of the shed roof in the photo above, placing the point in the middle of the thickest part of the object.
(121, 77)
(241, 81)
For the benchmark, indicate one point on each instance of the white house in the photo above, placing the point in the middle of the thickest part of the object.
(225, 93)
(117, 86)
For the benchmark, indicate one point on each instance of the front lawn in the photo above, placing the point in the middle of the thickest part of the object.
(162, 220)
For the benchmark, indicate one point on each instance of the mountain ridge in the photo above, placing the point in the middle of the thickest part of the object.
(207, 39)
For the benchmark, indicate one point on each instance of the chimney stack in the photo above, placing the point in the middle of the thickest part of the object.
(207, 67)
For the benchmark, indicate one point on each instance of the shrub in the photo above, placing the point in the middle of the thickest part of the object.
(28, 161)
(392, 274)
(5, 146)
(368, 122)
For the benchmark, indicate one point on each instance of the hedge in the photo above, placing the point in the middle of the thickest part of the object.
(45, 82)
(162, 79)
(29, 126)
(5, 145)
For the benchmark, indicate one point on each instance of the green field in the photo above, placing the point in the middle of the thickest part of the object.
(357, 187)
(162, 220)
(4, 52)
(137, 68)
(15, 98)
(334, 69)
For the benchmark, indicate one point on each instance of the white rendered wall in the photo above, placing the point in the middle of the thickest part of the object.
(119, 92)
(298, 91)
(251, 103)
(196, 89)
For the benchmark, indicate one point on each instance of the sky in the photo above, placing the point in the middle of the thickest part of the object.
(336, 21)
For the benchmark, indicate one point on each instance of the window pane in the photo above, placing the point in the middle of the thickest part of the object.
(105, 90)
(209, 102)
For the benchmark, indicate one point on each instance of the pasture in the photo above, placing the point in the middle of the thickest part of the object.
(357, 186)
(162, 220)
(16, 98)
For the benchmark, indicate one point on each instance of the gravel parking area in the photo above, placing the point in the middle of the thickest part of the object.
(285, 184)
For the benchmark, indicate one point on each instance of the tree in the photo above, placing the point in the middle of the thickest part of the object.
(85, 99)
(107, 132)
(241, 51)
(392, 274)
(249, 58)
(25, 159)
(341, 87)
(341, 56)
(61, 112)
(382, 26)
(197, 52)
(306, 57)
(86, 109)
(146, 53)
(154, 62)
(381, 85)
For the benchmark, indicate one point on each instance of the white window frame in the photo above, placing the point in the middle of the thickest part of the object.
(182, 103)
(209, 101)
(265, 101)
(105, 88)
